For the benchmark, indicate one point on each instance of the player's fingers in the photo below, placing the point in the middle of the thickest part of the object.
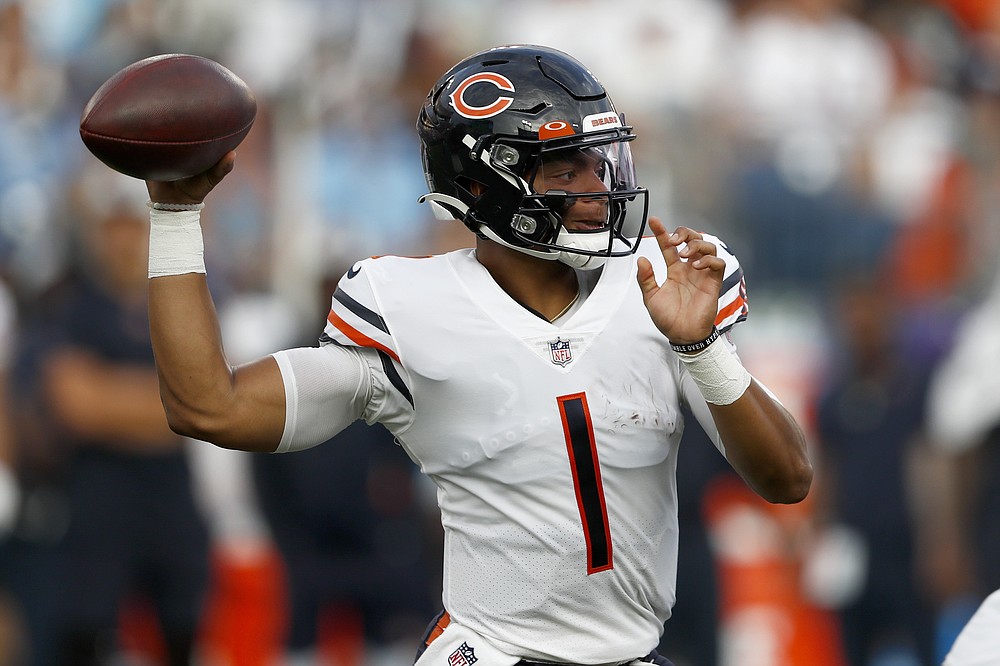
(686, 235)
(197, 187)
(666, 241)
(206, 182)
(702, 246)
(655, 225)
(646, 278)
(222, 168)
(696, 248)
(707, 262)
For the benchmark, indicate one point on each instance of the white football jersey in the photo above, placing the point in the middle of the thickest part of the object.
(553, 447)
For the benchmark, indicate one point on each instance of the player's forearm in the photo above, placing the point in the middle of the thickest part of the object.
(762, 440)
(765, 446)
(203, 396)
(195, 378)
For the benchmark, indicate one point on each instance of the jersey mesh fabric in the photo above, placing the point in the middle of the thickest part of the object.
(326, 389)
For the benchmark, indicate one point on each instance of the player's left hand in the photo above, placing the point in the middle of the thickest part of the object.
(684, 307)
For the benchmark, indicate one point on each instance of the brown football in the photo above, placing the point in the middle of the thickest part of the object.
(168, 117)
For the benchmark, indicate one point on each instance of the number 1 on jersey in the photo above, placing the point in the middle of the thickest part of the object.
(585, 465)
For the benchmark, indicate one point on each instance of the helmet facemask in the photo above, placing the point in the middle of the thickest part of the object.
(583, 180)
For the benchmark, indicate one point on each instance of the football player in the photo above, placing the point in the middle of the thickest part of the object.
(537, 378)
(978, 644)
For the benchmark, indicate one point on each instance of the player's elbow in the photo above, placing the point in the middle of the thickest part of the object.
(790, 486)
(197, 422)
(188, 422)
(225, 426)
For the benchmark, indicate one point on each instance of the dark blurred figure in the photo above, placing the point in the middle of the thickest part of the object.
(347, 520)
(869, 423)
(11, 626)
(134, 531)
(964, 420)
(691, 635)
(28, 551)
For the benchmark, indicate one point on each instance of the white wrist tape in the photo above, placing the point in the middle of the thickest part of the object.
(718, 373)
(176, 245)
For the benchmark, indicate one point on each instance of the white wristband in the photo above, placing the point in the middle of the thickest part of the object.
(176, 245)
(718, 373)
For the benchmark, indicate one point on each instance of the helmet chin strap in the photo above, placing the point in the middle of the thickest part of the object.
(593, 241)
(448, 208)
(548, 255)
(590, 241)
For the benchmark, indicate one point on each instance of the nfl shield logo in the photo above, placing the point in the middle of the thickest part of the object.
(560, 352)
(463, 656)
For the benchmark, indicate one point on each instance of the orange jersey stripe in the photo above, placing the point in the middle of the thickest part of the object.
(357, 336)
(729, 309)
(438, 628)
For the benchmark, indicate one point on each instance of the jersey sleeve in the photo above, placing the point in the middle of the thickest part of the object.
(356, 320)
(326, 389)
(733, 304)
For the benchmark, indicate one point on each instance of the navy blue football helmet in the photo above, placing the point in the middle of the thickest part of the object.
(491, 122)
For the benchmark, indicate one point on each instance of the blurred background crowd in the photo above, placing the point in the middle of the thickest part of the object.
(848, 151)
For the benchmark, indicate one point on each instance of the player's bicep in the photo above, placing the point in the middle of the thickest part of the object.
(255, 415)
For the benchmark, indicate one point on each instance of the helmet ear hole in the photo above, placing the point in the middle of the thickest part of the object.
(473, 187)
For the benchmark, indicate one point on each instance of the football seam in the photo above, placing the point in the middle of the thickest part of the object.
(128, 77)
(98, 135)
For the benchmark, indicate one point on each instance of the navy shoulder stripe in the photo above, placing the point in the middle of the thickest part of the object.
(370, 316)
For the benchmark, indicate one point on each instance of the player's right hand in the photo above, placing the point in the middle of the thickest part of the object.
(191, 190)
(684, 306)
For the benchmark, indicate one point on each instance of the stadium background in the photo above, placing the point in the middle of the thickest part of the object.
(847, 150)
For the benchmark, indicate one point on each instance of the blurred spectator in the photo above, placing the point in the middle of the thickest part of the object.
(34, 159)
(691, 635)
(869, 421)
(11, 630)
(27, 554)
(349, 522)
(805, 81)
(964, 414)
(964, 419)
(134, 530)
(804, 84)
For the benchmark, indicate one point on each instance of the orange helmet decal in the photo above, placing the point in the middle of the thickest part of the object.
(555, 128)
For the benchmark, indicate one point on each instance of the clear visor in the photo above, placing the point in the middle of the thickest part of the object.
(598, 168)
(575, 192)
